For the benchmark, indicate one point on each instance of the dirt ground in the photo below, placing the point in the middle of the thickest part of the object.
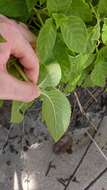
(27, 160)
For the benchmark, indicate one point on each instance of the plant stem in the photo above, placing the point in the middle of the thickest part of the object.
(21, 72)
(93, 10)
(44, 11)
(38, 16)
(83, 112)
(102, 153)
(37, 24)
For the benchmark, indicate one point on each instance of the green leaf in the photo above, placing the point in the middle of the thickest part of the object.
(102, 8)
(46, 40)
(78, 64)
(87, 82)
(99, 73)
(30, 4)
(95, 32)
(56, 112)
(42, 1)
(93, 38)
(52, 75)
(94, 2)
(58, 6)
(81, 8)
(74, 34)
(72, 83)
(18, 110)
(104, 32)
(59, 18)
(16, 8)
(61, 55)
(1, 103)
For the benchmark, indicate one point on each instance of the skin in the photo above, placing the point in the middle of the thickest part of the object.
(18, 43)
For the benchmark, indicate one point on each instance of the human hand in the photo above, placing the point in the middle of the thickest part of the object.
(18, 43)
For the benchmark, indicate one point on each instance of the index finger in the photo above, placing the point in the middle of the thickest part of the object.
(28, 59)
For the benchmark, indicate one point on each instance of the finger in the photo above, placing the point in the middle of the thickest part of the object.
(13, 89)
(22, 50)
(4, 19)
(28, 59)
(4, 55)
(28, 35)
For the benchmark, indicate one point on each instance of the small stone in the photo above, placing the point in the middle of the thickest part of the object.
(63, 145)
(39, 141)
(31, 130)
(25, 148)
(85, 135)
(99, 134)
(8, 162)
(27, 142)
(78, 141)
(11, 178)
(45, 138)
(75, 179)
(12, 149)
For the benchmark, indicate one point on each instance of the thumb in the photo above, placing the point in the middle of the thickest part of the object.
(14, 89)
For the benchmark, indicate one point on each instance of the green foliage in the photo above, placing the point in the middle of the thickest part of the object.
(56, 112)
(18, 111)
(78, 65)
(93, 37)
(81, 8)
(99, 73)
(102, 8)
(104, 32)
(30, 4)
(50, 75)
(46, 40)
(74, 33)
(16, 8)
(58, 6)
(71, 44)
(62, 56)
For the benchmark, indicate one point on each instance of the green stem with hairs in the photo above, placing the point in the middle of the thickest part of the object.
(21, 72)
(38, 16)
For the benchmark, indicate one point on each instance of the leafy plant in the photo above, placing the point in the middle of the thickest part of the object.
(72, 48)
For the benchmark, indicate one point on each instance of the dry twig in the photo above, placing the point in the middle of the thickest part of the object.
(82, 111)
(92, 95)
